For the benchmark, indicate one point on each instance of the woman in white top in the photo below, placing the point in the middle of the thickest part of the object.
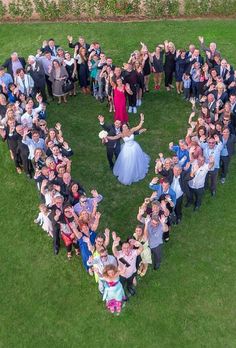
(24, 82)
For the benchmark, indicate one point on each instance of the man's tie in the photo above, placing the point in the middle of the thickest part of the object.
(25, 89)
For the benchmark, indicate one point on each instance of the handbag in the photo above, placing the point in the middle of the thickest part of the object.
(67, 86)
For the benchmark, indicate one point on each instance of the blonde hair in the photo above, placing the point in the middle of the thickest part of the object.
(171, 45)
(220, 85)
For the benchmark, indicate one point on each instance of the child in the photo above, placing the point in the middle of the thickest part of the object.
(114, 293)
(43, 219)
(187, 84)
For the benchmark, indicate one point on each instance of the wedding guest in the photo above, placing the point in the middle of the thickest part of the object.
(43, 220)
(127, 259)
(13, 63)
(57, 76)
(86, 203)
(157, 66)
(114, 293)
(36, 71)
(169, 65)
(153, 231)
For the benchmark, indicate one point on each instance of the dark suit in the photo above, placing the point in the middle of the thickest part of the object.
(212, 109)
(183, 182)
(233, 116)
(55, 228)
(190, 62)
(225, 160)
(113, 146)
(86, 46)
(48, 49)
(8, 65)
(38, 75)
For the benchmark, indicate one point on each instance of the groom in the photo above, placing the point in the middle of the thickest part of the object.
(113, 146)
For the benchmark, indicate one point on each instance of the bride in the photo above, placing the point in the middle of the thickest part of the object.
(132, 163)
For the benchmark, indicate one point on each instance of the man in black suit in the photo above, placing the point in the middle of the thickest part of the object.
(80, 43)
(56, 211)
(13, 63)
(50, 47)
(113, 146)
(36, 71)
(211, 105)
(232, 99)
(179, 183)
(228, 141)
(193, 58)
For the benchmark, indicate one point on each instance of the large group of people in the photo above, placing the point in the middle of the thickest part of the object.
(66, 212)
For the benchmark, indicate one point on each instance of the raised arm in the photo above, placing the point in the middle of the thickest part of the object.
(139, 126)
(114, 137)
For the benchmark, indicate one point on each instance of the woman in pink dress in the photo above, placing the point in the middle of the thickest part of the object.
(120, 101)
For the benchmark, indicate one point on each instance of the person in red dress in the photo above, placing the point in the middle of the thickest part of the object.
(119, 90)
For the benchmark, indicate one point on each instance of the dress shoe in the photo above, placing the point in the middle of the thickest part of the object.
(188, 204)
(196, 208)
(56, 251)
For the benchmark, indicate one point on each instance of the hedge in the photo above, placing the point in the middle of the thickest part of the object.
(92, 9)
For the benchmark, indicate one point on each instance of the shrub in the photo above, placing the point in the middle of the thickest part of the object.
(47, 9)
(20, 8)
(2, 9)
(161, 8)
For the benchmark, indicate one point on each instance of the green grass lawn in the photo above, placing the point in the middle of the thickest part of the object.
(46, 301)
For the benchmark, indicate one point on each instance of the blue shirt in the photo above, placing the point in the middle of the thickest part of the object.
(159, 189)
(154, 235)
(215, 152)
(224, 151)
(183, 155)
(85, 253)
(6, 79)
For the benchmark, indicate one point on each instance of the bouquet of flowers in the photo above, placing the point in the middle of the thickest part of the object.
(103, 136)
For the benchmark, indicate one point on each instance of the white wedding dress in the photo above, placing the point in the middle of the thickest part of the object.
(132, 163)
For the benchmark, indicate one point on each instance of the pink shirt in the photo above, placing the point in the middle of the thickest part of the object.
(131, 259)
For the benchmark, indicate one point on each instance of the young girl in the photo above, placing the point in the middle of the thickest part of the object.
(114, 293)
(43, 219)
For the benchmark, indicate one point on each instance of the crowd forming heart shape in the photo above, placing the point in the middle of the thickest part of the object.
(66, 212)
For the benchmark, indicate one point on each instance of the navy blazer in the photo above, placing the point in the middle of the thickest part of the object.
(230, 144)
(8, 65)
(48, 49)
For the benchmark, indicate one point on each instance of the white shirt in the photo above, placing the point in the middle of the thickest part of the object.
(27, 120)
(176, 187)
(199, 179)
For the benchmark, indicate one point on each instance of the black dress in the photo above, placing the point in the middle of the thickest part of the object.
(83, 74)
(147, 67)
(70, 65)
(169, 67)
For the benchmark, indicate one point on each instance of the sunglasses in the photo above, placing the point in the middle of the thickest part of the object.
(42, 125)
